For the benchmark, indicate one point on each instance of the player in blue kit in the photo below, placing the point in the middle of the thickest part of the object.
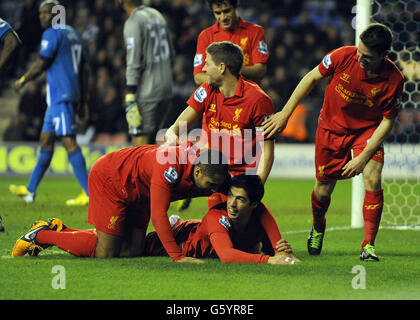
(61, 58)
(9, 42)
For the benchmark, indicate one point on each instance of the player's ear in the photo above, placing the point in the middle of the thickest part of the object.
(197, 171)
(254, 205)
(222, 68)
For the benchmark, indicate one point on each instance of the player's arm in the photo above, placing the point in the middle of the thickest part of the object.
(159, 205)
(278, 121)
(267, 159)
(11, 42)
(38, 67)
(200, 78)
(223, 246)
(356, 165)
(185, 120)
(133, 44)
(255, 72)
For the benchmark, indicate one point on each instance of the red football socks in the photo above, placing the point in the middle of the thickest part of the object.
(372, 212)
(80, 243)
(319, 209)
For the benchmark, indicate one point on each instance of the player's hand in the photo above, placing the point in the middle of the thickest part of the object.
(283, 246)
(132, 113)
(354, 167)
(171, 139)
(275, 124)
(283, 259)
(191, 260)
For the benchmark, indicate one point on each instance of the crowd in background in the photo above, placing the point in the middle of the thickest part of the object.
(299, 34)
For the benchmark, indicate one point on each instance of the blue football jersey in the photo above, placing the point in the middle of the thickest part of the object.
(4, 28)
(63, 45)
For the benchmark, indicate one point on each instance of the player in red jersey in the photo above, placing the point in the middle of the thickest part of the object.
(233, 231)
(128, 188)
(233, 110)
(360, 107)
(230, 26)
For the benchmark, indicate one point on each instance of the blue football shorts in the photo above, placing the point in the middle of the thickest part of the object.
(60, 119)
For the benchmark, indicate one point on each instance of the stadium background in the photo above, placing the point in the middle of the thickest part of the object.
(299, 34)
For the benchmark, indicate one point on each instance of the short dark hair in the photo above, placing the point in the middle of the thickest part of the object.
(212, 162)
(252, 184)
(377, 37)
(228, 53)
(233, 3)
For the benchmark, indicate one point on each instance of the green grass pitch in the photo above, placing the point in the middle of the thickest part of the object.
(335, 274)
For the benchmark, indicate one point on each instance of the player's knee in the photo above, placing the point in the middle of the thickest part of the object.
(323, 191)
(108, 246)
(372, 181)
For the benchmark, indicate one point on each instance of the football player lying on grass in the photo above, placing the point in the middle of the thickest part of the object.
(235, 231)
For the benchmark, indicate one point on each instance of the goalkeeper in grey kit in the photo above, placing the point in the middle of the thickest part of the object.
(148, 94)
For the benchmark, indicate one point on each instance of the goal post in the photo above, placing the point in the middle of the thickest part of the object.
(363, 16)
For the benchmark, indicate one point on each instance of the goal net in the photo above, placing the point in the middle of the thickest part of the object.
(401, 174)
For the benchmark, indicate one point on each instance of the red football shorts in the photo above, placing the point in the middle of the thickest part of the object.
(181, 231)
(333, 151)
(108, 211)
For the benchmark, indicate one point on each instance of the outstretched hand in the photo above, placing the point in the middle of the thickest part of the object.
(191, 260)
(275, 124)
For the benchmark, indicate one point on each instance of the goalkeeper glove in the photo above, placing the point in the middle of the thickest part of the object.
(132, 113)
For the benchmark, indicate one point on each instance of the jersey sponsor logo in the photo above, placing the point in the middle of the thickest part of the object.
(262, 47)
(224, 221)
(129, 43)
(200, 94)
(354, 96)
(198, 60)
(326, 62)
(44, 44)
(171, 175)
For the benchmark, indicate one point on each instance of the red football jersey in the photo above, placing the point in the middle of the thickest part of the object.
(232, 124)
(249, 36)
(352, 101)
(215, 236)
(159, 174)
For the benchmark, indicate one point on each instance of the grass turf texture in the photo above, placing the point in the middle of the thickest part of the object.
(328, 276)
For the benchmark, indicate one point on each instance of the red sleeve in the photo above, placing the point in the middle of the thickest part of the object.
(390, 105)
(263, 110)
(163, 177)
(198, 100)
(259, 47)
(270, 226)
(200, 54)
(330, 61)
(160, 198)
(222, 244)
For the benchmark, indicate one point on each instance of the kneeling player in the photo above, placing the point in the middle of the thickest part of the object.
(234, 231)
(128, 188)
